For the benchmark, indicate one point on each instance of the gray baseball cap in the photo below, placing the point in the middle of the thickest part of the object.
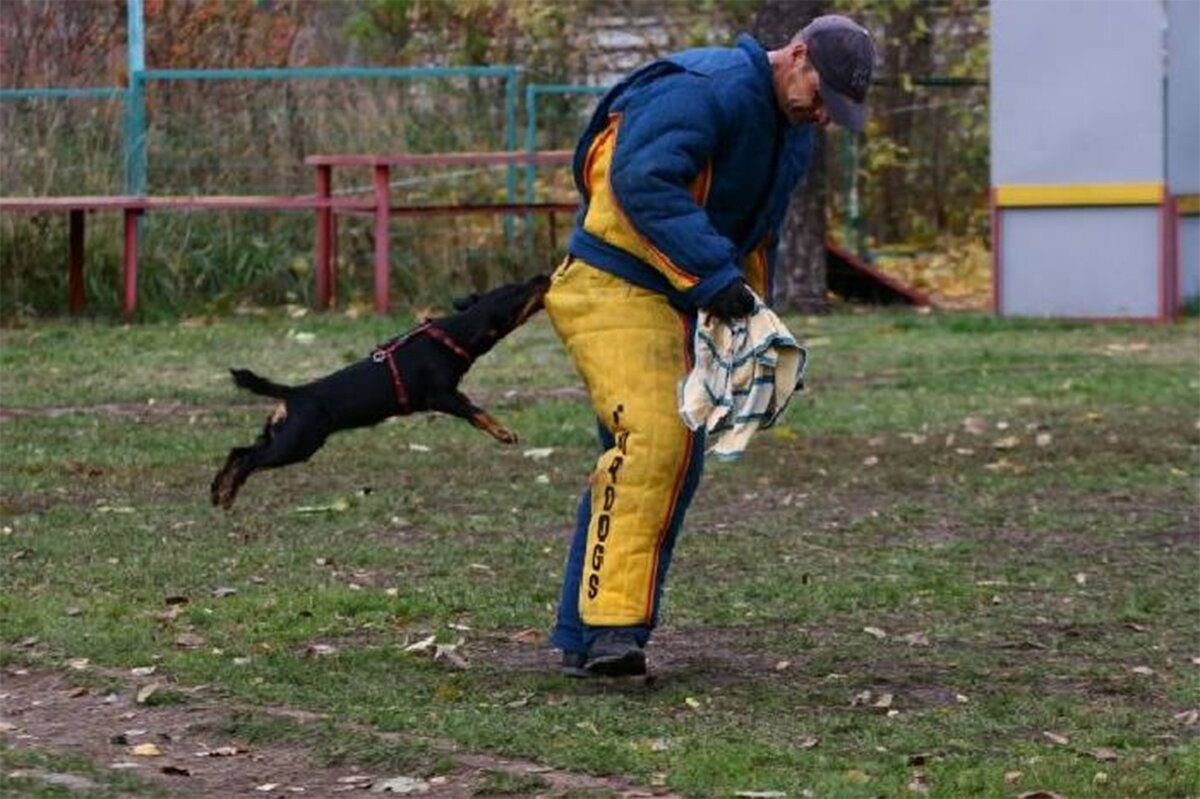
(844, 56)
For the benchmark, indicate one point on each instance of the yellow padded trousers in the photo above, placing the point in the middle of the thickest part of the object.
(631, 348)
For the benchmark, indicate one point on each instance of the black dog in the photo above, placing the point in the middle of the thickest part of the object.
(419, 371)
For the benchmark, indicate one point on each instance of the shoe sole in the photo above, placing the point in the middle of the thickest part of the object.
(575, 672)
(627, 664)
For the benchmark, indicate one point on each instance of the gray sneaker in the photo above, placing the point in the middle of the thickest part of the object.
(574, 665)
(616, 654)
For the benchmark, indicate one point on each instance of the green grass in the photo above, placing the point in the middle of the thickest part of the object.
(1040, 576)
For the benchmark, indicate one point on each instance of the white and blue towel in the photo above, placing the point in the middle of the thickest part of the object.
(746, 370)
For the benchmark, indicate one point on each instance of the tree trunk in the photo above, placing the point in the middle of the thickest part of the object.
(800, 283)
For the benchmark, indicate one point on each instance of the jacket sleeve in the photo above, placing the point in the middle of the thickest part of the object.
(661, 164)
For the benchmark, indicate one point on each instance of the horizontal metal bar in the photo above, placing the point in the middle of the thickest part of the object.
(101, 92)
(289, 73)
(565, 88)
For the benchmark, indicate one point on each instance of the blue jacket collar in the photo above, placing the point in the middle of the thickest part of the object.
(762, 68)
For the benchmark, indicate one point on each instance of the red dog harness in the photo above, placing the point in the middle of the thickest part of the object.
(384, 354)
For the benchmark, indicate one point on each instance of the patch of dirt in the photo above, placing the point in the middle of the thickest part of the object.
(49, 712)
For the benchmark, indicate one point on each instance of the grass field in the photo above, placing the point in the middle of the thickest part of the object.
(965, 565)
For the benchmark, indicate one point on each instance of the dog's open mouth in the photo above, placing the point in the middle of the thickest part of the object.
(532, 305)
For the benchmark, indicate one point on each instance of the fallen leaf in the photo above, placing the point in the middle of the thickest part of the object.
(861, 698)
(783, 665)
(450, 654)
(146, 750)
(221, 751)
(539, 453)
(145, 692)
(77, 692)
(266, 787)
(421, 646)
(808, 743)
(870, 460)
(1055, 738)
(884, 701)
(78, 664)
(875, 632)
(1081, 578)
(975, 425)
(143, 671)
(1188, 718)
(339, 505)
(1133, 346)
(419, 448)
(188, 641)
(1012, 777)
(919, 783)
(919, 638)
(220, 592)
(692, 702)
(1104, 754)
(1008, 442)
(320, 650)
(857, 776)
(1145, 671)
(1043, 439)
(531, 635)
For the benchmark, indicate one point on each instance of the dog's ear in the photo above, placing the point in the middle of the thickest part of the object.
(463, 303)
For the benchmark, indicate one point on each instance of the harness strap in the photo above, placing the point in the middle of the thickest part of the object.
(443, 337)
(385, 354)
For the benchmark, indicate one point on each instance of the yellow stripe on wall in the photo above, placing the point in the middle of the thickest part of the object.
(1077, 194)
(1187, 204)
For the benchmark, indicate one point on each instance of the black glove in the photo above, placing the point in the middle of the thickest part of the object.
(732, 302)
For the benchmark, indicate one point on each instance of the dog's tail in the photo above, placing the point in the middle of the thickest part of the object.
(260, 385)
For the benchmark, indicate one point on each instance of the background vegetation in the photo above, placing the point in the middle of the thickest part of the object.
(916, 183)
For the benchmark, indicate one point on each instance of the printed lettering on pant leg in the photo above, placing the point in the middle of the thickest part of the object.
(604, 519)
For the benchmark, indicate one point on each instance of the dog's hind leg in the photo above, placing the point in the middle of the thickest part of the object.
(285, 439)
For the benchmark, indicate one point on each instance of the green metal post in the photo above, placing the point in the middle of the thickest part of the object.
(510, 144)
(135, 104)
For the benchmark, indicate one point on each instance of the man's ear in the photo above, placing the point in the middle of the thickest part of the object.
(797, 51)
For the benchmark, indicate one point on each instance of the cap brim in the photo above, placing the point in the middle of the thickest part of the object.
(843, 110)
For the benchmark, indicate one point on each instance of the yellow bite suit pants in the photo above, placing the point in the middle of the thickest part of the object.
(631, 348)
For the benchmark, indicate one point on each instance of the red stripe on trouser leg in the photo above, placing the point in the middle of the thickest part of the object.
(631, 349)
(680, 477)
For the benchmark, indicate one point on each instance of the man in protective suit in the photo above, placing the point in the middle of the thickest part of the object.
(685, 172)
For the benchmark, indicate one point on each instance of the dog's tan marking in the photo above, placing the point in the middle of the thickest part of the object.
(279, 415)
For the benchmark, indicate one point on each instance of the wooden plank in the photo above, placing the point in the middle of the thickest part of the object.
(236, 202)
(486, 158)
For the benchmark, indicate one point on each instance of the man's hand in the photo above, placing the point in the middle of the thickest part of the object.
(732, 302)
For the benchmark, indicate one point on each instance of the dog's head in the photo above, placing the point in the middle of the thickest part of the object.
(483, 319)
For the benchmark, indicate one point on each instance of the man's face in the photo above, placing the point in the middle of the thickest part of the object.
(799, 90)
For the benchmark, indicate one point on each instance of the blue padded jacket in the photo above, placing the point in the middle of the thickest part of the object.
(685, 171)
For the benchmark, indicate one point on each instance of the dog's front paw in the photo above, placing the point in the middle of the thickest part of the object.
(504, 435)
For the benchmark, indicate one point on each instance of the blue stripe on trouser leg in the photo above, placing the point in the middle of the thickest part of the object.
(631, 348)
(568, 632)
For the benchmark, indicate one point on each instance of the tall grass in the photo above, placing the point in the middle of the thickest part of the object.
(251, 137)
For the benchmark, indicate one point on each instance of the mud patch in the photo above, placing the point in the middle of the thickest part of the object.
(183, 749)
